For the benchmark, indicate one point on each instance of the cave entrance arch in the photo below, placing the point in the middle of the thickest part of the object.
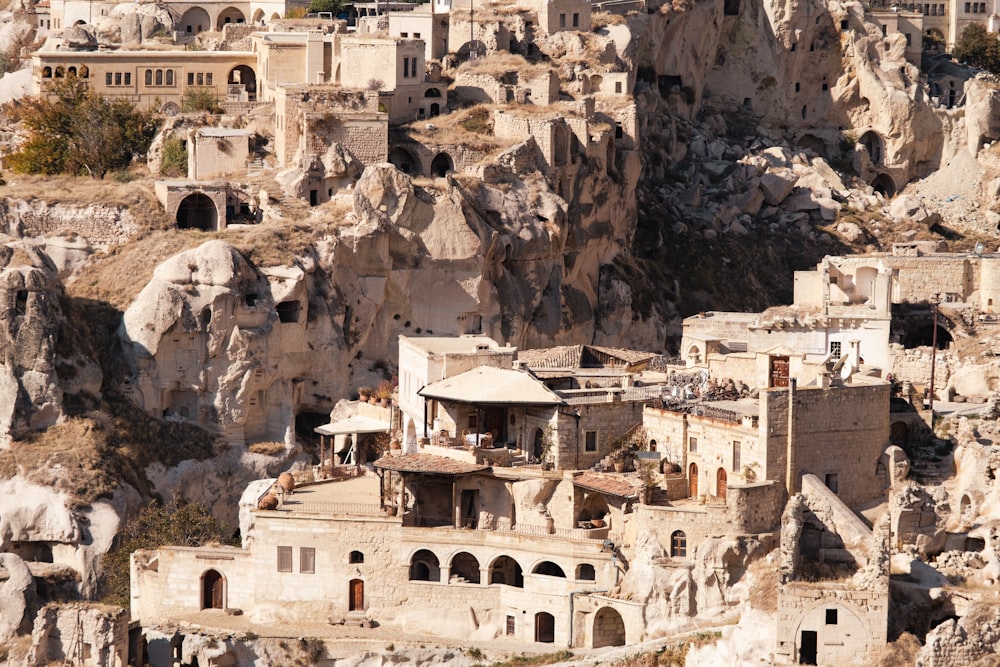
(441, 165)
(609, 628)
(195, 20)
(405, 161)
(197, 211)
(884, 184)
(872, 142)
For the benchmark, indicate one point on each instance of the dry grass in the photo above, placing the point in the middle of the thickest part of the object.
(671, 655)
(903, 651)
(600, 20)
(503, 63)
(268, 448)
(452, 130)
(137, 195)
(764, 589)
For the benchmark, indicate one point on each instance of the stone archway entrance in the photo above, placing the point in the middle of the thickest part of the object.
(212, 590)
(609, 628)
(197, 211)
(545, 627)
(693, 480)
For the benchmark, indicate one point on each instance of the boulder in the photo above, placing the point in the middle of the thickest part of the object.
(776, 186)
(79, 38)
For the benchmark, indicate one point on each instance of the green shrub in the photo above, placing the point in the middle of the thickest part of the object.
(175, 157)
(200, 99)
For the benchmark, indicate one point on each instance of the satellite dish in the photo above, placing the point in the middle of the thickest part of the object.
(979, 248)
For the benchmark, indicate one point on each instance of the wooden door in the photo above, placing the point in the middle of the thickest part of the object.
(545, 627)
(693, 480)
(720, 483)
(212, 590)
(357, 595)
(779, 371)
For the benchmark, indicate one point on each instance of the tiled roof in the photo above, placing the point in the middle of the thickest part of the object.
(615, 486)
(486, 385)
(428, 463)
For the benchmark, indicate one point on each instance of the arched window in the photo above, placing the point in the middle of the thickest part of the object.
(357, 557)
(149, 77)
(678, 544)
(60, 72)
(84, 72)
(71, 71)
(46, 72)
(170, 77)
(424, 566)
(550, 569)
(159, 77)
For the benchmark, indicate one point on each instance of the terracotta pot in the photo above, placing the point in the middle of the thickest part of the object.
(597, 523)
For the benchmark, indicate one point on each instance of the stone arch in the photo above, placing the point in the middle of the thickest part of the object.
(197, 211)
(80, 22)
(356, 557)
(537, 444)
(505, 570)
(441, 165)
(678, 544)
(230, 15)
(694, 354)
(595, 506)
(195, 20)
(258, 16)
(813, 143)
(356, 595)
(432, 92)
(475, 48)
(404, 160)
(71, 70)
(465, 566)
(883, 183)
(275, 16)
(548, 568)
(46, 72)
(170, 109)
(424, 566)
(213, 590)
(410, 439)
(585, 572)
(609, 628)
(816, 616)
(60, 72)
(244, 75)
(874, 145)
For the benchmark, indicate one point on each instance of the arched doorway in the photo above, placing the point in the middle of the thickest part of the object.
(213, 590)
(441, 165)
(197, 211)
(538, 444)
(229, 15)
(465, 568)
(505, 570)
(872, 143)
(609, 628)
(884, 184)
(424, 566)
(404, 160)
(693, 480)
(720, 483)
(545, 627)
(411, 434)
(195, 20)
(356, 595)
(243, 75)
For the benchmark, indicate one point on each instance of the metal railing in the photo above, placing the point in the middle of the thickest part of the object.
(504, 525)
(332, 508)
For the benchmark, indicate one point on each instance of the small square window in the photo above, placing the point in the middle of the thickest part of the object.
(831, 481)
(692, 444)
(307, 560)
(416, 35)
(284, 559)
(831, 617)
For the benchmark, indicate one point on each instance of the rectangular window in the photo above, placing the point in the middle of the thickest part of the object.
(208, 79)
(968, 7)
(737, 455)
(562, 20)
(118, 78)
(107, 79)
(404, 35)
(190, 78)
(590, 441)
(510, 625)
(406, 68)
(831, 617)
(284, 559)
(307, 560)
(576, 20)
(416, 35)
(618, 86)
(831, 481)
(692, 444)
(128, 78)
(835, 349)
(909, 39)
(201, 79)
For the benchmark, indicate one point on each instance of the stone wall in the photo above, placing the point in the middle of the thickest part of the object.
(608, 421)
(97, 633)
(100, 224)
(364, 136)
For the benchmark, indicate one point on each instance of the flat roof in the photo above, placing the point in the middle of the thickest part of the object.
(452, 344)
(429, 464)
(486, 385)
(614, 486)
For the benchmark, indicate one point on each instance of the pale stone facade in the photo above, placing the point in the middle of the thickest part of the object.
(217, 152)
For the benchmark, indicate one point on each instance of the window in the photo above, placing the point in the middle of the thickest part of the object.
(356, 557)
(511, 620)
(284, 559)
(968, 7)
(798, 86)
(692, 444)
(909, 39)
(562, 20)
(190, 78)
(118, 78)
(737, 455)
(618, 86)
(107, 79)
(831, 481)
(831, 617)
(406, 68)
(416, 35)
(404, 35)
(307, 560)
(835, 349)
(208, 79)
(678, 544)
(170, 77)
(201, 79)
(590, 441)
(576, 20)
(159, 77)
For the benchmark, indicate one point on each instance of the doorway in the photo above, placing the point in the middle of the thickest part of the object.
(693, 480)
(720, 483)
(356, 595)
(212, 590)
(545, 627)
(470, 508)
(779, 371)
(807, 648)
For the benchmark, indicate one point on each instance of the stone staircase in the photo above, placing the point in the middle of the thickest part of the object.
(633, 438)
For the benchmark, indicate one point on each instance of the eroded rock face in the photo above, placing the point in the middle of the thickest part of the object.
(30, 395)
(17, 592)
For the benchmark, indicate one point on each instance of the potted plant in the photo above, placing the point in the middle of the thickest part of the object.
(384, 393)
(364, 393)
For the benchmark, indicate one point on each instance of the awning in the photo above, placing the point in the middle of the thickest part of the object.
(354, 424)
(486, 385)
